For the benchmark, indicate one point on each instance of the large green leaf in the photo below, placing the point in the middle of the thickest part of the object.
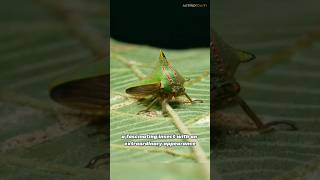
(192, 63)
(282, 83)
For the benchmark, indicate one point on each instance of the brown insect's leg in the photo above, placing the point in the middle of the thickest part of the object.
(163, 106)
(149, 106)
(192, 101)
(260, 125)
(94, 161)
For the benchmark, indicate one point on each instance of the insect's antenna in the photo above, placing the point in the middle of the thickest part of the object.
(162, 58)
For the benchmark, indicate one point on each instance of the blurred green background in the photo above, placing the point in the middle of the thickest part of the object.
(281, 83)
(40, 41)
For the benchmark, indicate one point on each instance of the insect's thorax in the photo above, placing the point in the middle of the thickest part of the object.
(171, 81)
(224, 92)
(224, 85)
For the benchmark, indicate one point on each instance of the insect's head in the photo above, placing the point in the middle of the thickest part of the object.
(177, 89)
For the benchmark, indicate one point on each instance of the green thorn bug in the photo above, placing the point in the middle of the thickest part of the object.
(225, 88)
(163, 84)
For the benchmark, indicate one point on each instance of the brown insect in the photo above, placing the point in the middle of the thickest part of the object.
(225, 88)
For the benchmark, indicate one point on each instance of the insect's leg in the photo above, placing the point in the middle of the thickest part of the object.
(149, 106)
(192, 101)
(94, 161)
(250, 113)
(289, 123)
(163, 106)
(260, 125)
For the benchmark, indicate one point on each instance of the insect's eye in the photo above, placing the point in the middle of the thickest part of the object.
(181, 89)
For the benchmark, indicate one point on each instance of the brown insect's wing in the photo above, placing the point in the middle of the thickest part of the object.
(86, 94)
(144, 90)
